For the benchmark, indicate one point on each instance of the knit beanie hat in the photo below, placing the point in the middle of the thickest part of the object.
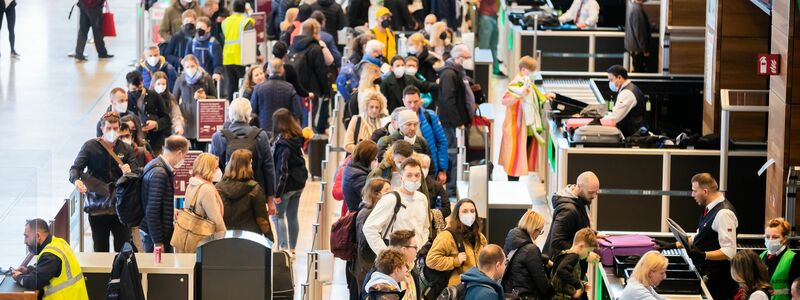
(406, 116)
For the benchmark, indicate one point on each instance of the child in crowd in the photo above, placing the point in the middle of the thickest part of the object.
(567, 274)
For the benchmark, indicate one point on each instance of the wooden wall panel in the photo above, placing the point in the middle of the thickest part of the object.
(780, 15)
(793, 135)
(686, 57)
(775, 150)
(687, 13)
(742, 19)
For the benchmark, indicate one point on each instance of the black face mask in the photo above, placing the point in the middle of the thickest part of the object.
(443, 36)
(201, 32)
(134, 94)
(188, 29)
(386, 23)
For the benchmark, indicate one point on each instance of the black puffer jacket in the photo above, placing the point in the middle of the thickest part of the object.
(452, 96)
(290, 166)
(244, 202)
(354, 177)
(311, 68)
(526, 273)
(365, 258)
(157, 201)
(569, 216)
(334, 16)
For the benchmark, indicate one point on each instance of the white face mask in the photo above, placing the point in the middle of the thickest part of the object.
(468, 219)
(153, 60)
(428, 28)
(410, 140)
(411, 186)
(160, 88)
(773, 246)
(121, 107)
(127, 141)
(190, 72)
(111, 136)
(217, 176)
(412, 71)
(412, 50)
(399, 72)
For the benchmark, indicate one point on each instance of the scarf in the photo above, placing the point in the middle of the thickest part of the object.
(191, 80)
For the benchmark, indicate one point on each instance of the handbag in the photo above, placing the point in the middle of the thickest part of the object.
(109, 28)
(191, 228)
(100, 198)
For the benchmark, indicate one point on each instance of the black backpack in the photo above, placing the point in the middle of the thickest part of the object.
(129, 207)
(240, 141)
(457, 292)
(126, 281)
(297, 59)
(273, 26)
(434, 281)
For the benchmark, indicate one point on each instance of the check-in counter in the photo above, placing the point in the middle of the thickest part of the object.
(171, 279)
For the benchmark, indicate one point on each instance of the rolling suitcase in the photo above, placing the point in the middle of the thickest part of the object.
(316, 153)
(282, 275)
(597, 135)
(610, 246)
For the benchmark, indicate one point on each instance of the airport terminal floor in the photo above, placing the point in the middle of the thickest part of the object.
(621, 152)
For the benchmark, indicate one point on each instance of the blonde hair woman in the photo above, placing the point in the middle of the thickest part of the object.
(440, 41)
(527, 277)
(371, 109)
(648, 274)
(202, 195)
(291, 16)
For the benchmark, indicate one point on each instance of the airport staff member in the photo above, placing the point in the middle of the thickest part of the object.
(715, 242)
(233, 28)
(783, 264)
(57, 274)
(629, 108)
(584, 13)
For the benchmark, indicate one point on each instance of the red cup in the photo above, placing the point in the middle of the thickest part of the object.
(157, 253)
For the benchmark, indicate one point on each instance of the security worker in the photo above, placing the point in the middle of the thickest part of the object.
(57, 274)
(715, 242)
(232, 29)
(383, 32)
(629, 111)
(783, 264)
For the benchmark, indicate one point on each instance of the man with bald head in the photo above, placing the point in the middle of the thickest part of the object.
(274, 94)
(571, 212)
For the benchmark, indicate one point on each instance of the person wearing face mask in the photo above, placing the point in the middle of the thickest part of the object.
(433, 132)
(157, 194)
(245, 203)
(358, 268)
(119, 104)
(160, 86)
(441, 42)
(361, 126)
(347, 79)
(783, 265)
(393, 84)
(527, 268)
(629, 111)
(192, 80)
(180, 43)
(290, 175)
(412, 69)
(649, 272)
(274, 94)
(571, 212)
(254, 76)
(456, 249)
(203, 196)
(56, 266)
(481, 281)
(172, 23)
(455, 98)
(391, 161)
(92, 172)
(408, 127)
(207, 49)
(152, 62)
(427, 25)
(143, 156)
(373, 54)
(437, 195)
(405, 208)
(383, 32)
(427, 64)
(151, 109)
(523, 102)
(232, 29)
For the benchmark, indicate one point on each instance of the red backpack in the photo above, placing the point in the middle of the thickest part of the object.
(343, 237)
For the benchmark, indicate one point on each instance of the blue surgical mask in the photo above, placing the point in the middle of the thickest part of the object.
(613, 86)
(773, 246)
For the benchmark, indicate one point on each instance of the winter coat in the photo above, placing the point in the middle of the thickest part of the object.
(174, 110)
(244, 203)
(481, 287)
(352, 138)
(427, 60)
(526, 273)
(148, 70)
(271, 95)
(290, 166)
(262, 160)
(452, 96)
(514, 148)
(172, 21)
(177, 47)
(150, 107)
(208, 203)
(157, 200)
(330, 42)
(347, 80)
(334, 17)
(401, 17)
(446, 11)
(94, 158)
(637, 29)
(420, 144)
(208, 53)
(443, 255)
(358, 13)
(569, 216)
(313, 78)
(354, 178)
(392, 87)
(365, 259)
(184, 92)
(437, 141)
(290, 75)
(566, 275)
(437, 195)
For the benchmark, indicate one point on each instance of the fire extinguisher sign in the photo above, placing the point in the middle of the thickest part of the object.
(768, 64)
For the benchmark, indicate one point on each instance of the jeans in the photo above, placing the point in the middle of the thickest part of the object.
(488, 37)
(287, 214)
(91, 18)
(11, 16)
(321, 114)
(149, 246)
(104, 225)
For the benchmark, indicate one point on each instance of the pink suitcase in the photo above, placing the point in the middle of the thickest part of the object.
(573, 123)
(611, 246)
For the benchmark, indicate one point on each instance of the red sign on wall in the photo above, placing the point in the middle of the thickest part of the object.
(182, 174)
(769, 64)
(210, 117)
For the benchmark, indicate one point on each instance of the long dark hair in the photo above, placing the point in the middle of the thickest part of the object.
(284, 125)
(471, 233)
(136, 133)
(747, 265)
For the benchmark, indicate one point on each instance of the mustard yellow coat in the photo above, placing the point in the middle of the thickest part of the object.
(443, 256)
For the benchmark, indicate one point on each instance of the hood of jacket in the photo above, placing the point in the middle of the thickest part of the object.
(292, 143)
(196, 182)
(517, 238)
(565, 196)
(475, 276)
(301, 42)
(378, 278)
(233, 190)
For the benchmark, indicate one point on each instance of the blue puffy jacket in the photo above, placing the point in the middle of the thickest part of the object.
(208, 53)
(481, 287)
(157, 201)
(433, 133)
(147, 72)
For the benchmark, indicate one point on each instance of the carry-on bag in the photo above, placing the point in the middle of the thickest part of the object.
(610, 246)
(282, 275)
(597, 135)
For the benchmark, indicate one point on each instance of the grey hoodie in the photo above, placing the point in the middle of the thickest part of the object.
(378, 278)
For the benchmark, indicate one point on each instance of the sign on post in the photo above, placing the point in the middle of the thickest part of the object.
(769, 64)
(181, 177)
(261, 26)
(210, 117)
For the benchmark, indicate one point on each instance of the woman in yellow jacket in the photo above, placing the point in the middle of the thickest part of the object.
(444, 254)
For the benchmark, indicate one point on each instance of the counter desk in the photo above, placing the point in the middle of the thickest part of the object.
(172, 279)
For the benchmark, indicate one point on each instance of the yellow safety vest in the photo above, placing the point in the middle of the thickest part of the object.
(69, 284)
(232, 28)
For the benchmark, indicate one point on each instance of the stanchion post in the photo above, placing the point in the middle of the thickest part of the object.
(460, 156)
(140, 30)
